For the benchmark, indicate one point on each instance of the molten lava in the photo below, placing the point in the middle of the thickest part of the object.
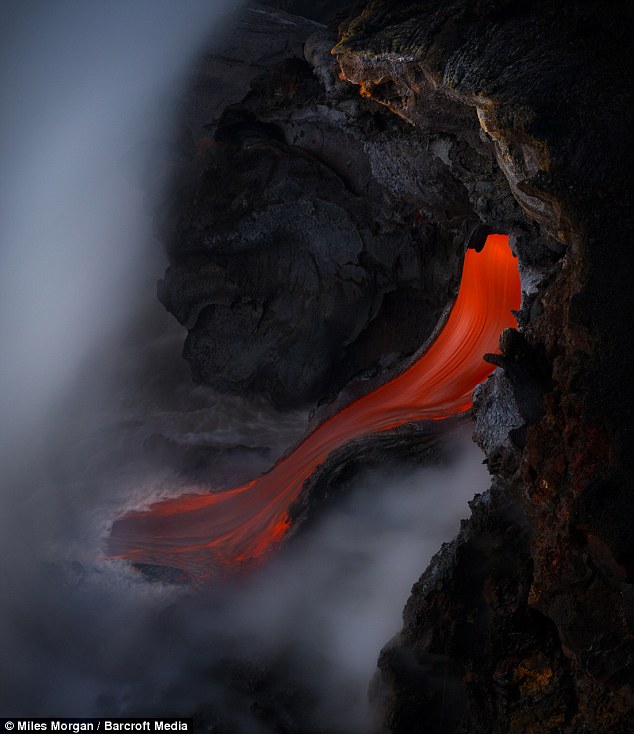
(207, 535)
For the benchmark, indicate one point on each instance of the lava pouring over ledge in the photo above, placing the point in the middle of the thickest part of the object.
(209, 535)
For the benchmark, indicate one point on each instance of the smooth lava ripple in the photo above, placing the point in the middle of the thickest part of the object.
(210, 535)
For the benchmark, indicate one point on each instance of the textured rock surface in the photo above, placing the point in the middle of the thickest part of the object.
(548, 89)
(313, 224)
(471, 649)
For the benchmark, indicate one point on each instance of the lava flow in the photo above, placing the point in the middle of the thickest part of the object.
(208, 535)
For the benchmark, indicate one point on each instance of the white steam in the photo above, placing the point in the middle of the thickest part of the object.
(80, 85)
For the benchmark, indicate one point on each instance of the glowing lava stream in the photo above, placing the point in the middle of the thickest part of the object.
(207, 535)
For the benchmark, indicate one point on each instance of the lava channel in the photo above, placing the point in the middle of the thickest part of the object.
(210, 535)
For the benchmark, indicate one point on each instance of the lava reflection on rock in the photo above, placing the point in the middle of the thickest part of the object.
(208, 535)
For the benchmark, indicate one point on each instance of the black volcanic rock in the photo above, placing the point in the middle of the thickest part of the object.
(313, 236)
(471, 649)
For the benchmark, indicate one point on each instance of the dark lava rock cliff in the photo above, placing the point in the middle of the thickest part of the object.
(315, 234)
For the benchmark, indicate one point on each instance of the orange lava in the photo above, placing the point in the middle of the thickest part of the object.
(208, 535)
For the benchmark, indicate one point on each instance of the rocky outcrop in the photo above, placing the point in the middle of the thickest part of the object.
(310, 223)
(473, 656)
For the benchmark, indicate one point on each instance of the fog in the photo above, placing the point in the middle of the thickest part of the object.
(90, 375)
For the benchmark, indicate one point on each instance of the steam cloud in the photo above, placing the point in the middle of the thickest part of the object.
(90, 370)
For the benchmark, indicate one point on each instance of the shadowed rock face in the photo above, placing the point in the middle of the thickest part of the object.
(282, 255)
(313, 224)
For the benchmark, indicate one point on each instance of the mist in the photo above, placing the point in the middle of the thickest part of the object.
(91, 374)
